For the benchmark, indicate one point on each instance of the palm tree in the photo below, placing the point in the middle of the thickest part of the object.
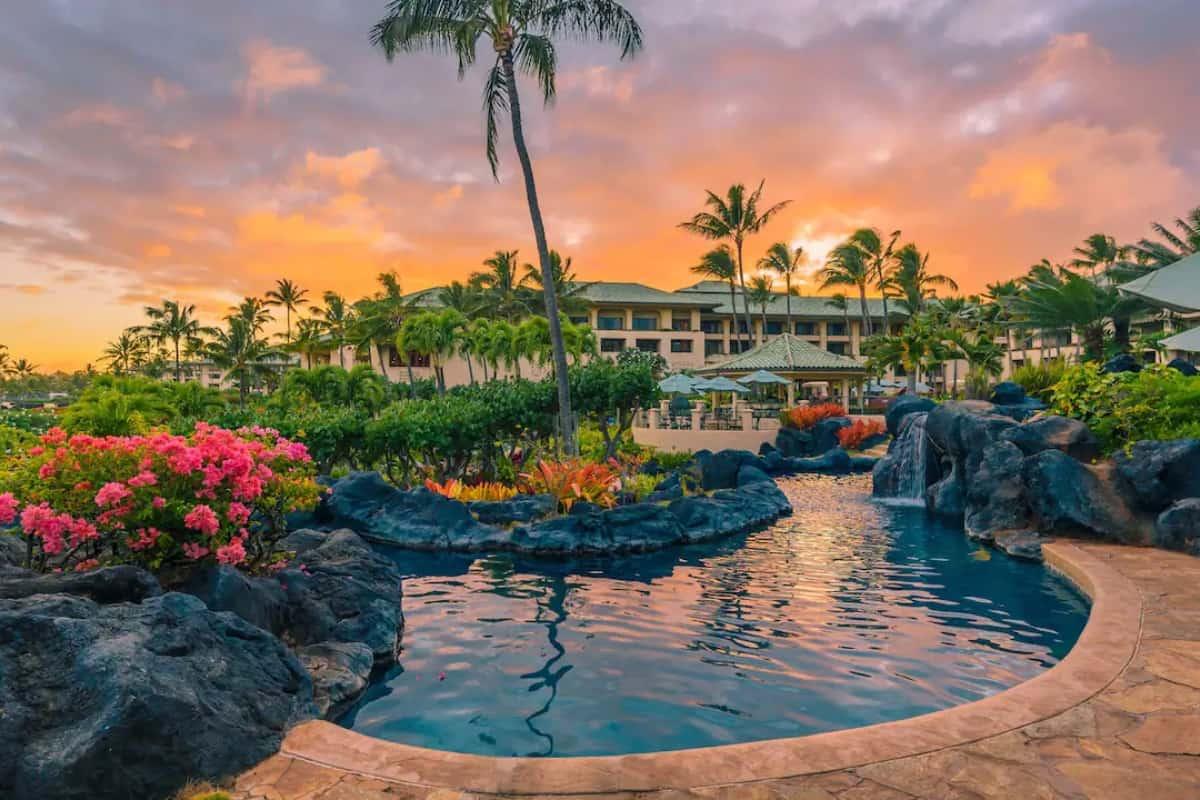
(1099, 251)
(172, 322)
(335, 320)
(1177, 245)
(913, 279)
(847, 266)
(917, 347)
(465, 299)
(22, 368)
(290, 297)
(760, 293)
(786, 261)
(434, 334)
(125, 353)
(254, 310)
(718, 264)
(500, 280)
(879, 258)
(1065, 299)
(734, 217)
(520, 35)
(840, 302)
(307, 341)
(243, 354)
(567, 288)
(5, 361)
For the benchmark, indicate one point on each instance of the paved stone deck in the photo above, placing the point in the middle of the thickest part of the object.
(1124, 722)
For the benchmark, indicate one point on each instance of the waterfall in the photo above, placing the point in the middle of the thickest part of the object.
(900, 475)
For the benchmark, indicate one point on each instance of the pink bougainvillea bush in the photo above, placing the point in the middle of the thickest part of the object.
(156, 500)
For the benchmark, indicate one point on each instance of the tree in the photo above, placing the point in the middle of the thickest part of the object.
(761, 294)
(917, 346)
(501, 282)
(243, 354)
(377, 320)
(23, 368)
(1065, 299)
(839, 302)
(335, 319)
(785, 261)
(1176, 245)
(175, 323)
(734, 217)
(125, 353)
(307, 341)
(913, 280)
(879, 257)
(465, 299)
(254, 311)
(718, 264)
(521, 36)
(434, 334)
(567, 288)
(290, 297)
(610, 394)
(847, 266)
(1098, 252)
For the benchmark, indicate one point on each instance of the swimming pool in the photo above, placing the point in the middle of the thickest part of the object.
(846, 614)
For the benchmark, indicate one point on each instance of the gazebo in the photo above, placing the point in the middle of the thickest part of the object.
(797, 360)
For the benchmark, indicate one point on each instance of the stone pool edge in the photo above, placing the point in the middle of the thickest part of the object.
(1102, 652)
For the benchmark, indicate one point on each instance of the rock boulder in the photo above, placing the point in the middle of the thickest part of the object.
(1160, 473)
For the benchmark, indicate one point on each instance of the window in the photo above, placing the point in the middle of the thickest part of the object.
(647, 345)
(806, 329)
(612, 345)
(837, 348)
(681, 345)
(712, 325)
(774, 327)
(610, 322)
(714, 348)
(681, 323)
(741, 326)
(641, 322)
(394, 357)
(835, 328)
(578, 320)
(736, 346)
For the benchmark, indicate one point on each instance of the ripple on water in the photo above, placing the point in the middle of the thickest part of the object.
(847, 613)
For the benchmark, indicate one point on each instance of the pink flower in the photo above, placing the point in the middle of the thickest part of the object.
(112, 493)
(8, 508)
(238, 514)
(36, 450)
(54, 436)
(143, 478)
(159, 502)
(82, 531)
(146, 538)
(46, 471)
(203, 519)
(194, 551)
(232, 553)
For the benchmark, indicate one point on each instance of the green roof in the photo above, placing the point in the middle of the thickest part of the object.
(808, 307)
(1175, 286)
(619, 293)
(785, 354)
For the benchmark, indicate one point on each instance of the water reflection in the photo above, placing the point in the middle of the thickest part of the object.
(845, 614)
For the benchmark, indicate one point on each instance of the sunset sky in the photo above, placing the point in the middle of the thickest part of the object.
(199, 150)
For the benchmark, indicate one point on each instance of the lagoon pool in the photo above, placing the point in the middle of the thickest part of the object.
(847, 613)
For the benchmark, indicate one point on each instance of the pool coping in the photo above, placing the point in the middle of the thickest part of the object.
(1103, 650)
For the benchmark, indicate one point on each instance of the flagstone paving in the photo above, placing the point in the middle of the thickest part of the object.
(1138, 736)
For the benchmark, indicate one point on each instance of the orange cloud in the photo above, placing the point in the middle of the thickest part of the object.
(164, 91)
(271, 69)
(348, 170)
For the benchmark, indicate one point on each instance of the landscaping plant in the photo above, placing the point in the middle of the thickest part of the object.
(457, 490)
(574, 480)
(804, 417)
(854, 435)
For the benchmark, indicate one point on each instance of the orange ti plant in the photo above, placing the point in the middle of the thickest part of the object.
(806, 416)
(457, 490)
(573, 480)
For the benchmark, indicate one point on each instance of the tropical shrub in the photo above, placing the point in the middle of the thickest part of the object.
(574, 480)
(1038, 380)
(609, 394)
(120, 406)
(29, 420)
(803, 417)
(859, 431)
(457, 490)
(13, 440)
(157, 500)
(671, 460)
(1157, 403)
(640, 485)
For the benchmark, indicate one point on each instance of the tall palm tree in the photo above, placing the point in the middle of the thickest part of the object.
(502, 282)
(520, 35)
(243, 354)
(734, 217)
(839, 301)
(124, 354)
(1098, 252)
(913, 280)
(290, 297)
(464, 298)
(335, 320)
(23, 368)
(567, 288)
(847, 266)
(172, 322)
(786, 261)
(434, 334)
(1066, 299)
(879, 258)
(719, 265)
(1177, 246)
(760, 293)
(255, 311)
(5, 361)
(307, 341)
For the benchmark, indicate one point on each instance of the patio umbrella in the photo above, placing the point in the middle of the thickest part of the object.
(763, 377)
(678, 384)
(720, 384)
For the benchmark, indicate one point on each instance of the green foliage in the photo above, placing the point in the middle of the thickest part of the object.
(120, 406)
(670, 460)
(14, 440)
(1038, 380)
(29, 420)
(640, 485)
(1157, 403)
(609, 394)
(640, 358)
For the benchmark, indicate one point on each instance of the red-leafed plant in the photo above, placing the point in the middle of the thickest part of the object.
(457, 490)
(803, 417)
(859, 431)
(574, 480)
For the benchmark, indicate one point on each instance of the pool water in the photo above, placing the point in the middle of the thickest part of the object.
(846, 614)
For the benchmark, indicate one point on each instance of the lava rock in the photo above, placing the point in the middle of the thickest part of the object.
(995, 498)
(766, 448)
(1178, 528)
(339, 671)
(863, 463)
(110, 702)
(834, 462)
(947, 498)
(669, 483)
(644, 526)
(1008, 393)
(121, 584)
(773, 462)
(1160, 473)
(900, 407)
(749, 474)
(12, 550)
(1186, 367)
(1024, 544)
(520, 509)
(1121, 363)
(891, 473)
(1055, 433)
(259, 601)
(720, 470)
(730, 511)
(1070, 497)
(794, 443)
(825, 434)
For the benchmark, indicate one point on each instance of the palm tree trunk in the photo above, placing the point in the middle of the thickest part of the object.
(287, 311)
(341, 354)
(866, 315)
(177, 372)
(788, 301)
(745, 298)
(470, 369)
(733, 331)
(566, 419)
(883, 295)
